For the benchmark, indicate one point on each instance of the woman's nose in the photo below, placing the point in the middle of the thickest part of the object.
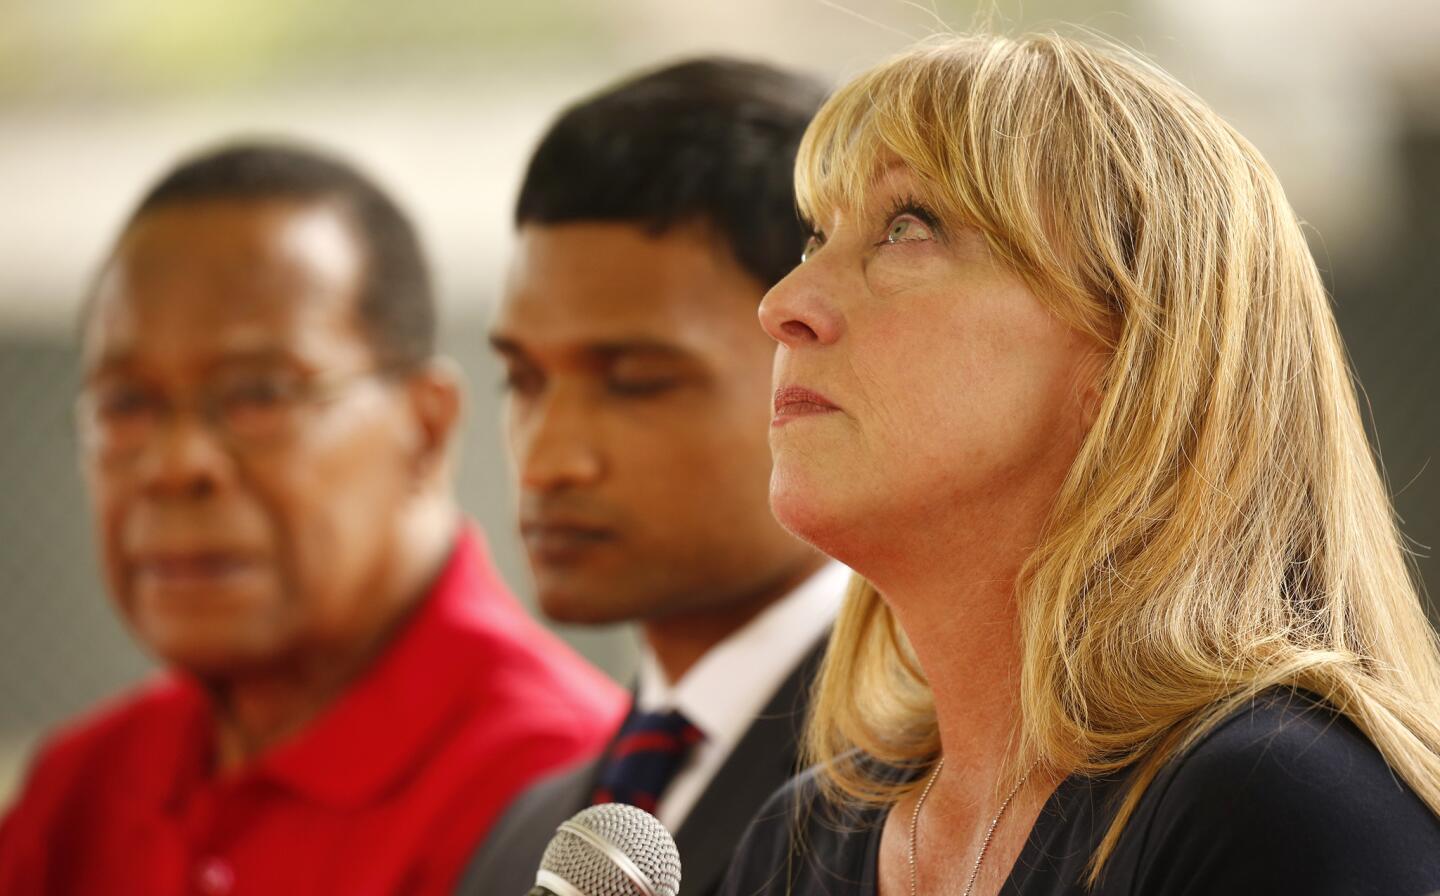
(799, 311)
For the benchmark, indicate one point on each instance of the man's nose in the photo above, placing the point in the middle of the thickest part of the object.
(185, 457)
(560, 450)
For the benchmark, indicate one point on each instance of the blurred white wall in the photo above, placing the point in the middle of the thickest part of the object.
(100, 97)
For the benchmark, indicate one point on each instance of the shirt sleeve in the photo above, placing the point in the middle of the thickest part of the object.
(1299, 803)
(15, 876)
(25, 828)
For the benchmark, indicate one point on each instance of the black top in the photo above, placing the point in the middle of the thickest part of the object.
(1284, 797)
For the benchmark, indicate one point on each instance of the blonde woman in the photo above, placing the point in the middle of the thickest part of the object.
(1058, 378)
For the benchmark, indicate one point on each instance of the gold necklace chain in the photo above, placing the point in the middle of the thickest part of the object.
(989, 834)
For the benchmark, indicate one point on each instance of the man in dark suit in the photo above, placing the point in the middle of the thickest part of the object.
(652, 219)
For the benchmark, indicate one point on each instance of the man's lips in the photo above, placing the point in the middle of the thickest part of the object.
(792, 402)
(557, 541)
(193, 566)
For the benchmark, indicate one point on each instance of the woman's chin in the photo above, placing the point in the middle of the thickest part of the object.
(812, 512)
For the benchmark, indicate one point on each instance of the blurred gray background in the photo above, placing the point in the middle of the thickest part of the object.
(442, 101)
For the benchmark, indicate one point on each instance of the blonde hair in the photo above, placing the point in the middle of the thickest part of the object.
(1224, 528)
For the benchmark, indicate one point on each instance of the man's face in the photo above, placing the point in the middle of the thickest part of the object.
(638, 398)
(245, 463)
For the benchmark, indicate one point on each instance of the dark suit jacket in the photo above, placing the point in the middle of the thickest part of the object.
(764, 758)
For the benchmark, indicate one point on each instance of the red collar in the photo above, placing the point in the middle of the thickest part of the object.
(379, 731)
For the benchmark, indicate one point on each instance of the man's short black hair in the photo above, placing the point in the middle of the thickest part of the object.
(709, 141)
(396, 304)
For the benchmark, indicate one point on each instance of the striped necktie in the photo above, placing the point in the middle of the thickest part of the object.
(650, 748)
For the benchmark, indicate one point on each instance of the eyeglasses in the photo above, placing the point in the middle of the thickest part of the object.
(247, 410)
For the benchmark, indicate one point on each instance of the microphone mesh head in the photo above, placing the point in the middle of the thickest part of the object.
(634, 832)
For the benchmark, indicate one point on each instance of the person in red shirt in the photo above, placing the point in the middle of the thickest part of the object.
(350, 693)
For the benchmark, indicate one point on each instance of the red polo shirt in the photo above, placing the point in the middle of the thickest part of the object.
(387, 792)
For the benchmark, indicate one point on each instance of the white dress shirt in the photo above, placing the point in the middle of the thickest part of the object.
(729, 686)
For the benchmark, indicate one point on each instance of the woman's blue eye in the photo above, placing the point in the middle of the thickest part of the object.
(812, 245)
(906, 229)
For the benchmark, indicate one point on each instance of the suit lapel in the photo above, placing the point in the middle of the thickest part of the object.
(510, 854)
(764, 758)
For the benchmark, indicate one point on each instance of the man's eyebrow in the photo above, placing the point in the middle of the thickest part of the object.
(504, 345)
(619, 348)
(259, 355)
(111, 361)
(602, 349)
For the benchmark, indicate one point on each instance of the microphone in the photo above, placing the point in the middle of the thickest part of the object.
(609, 850)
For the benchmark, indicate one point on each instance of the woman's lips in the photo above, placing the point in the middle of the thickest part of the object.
(793, 402)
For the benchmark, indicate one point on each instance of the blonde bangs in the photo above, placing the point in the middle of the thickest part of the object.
(1000, 166)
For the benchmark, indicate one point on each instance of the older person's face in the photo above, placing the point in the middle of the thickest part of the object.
(918, 382)
(245, 464)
